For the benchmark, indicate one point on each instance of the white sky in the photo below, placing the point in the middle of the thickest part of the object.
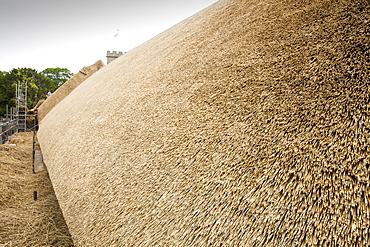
(70, 34)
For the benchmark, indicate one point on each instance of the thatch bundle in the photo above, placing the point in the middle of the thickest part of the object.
(45, 106)
(245, 125)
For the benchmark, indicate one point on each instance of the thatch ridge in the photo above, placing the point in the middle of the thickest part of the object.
(245, 125)
(67, 88)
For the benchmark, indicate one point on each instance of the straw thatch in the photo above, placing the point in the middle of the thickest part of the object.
(25, 221)
(245, 125)
(44, 107)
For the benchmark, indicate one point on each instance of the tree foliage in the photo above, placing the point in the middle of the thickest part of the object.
(38, 84)
(57, 75)
(7, 92)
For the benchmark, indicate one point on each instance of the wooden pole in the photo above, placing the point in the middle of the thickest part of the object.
(7, 112)
(33, 152)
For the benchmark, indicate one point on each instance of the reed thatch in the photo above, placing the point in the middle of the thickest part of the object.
(44, 107)
(245, 125)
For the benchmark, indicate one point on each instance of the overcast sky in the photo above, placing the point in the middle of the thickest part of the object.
(70, 34)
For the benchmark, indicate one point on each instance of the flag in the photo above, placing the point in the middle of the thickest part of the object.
(116, 33)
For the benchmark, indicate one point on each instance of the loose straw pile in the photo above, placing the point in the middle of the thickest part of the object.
(25, 221)
(245, 125)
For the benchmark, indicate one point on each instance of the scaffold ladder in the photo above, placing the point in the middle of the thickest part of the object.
(21, 95)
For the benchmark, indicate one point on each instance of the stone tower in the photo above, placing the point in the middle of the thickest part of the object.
(113, 55)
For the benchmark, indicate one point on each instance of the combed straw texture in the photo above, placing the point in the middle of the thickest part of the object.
(67, 88)
(245, 125)
(23, 221)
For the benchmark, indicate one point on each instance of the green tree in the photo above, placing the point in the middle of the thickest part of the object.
(58, 76)
(38, 84)
(7, 92)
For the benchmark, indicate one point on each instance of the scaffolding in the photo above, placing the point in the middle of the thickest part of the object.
(21, 114)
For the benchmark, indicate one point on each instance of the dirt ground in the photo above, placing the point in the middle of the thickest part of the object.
(25, 221)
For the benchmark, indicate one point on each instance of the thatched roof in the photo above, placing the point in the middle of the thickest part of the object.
(67, 88)
(245, 125)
